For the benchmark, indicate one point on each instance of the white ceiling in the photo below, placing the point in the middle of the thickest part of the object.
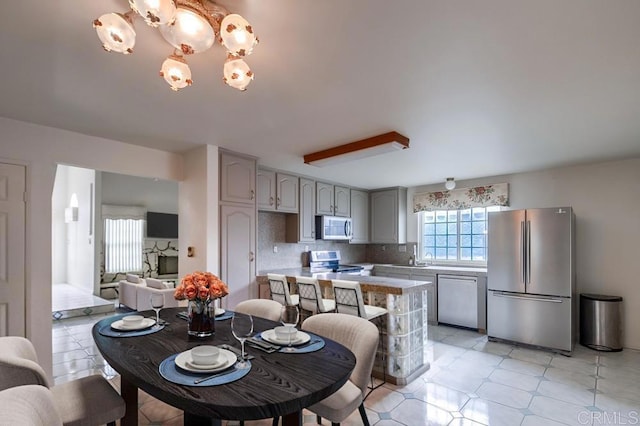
(481, 88)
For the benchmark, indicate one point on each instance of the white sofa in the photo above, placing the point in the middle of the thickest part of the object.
(135, 292)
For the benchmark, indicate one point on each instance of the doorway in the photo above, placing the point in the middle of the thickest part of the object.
(74, 292)
(80, 277)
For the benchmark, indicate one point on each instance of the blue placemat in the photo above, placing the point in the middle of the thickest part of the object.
(315, 344)
(106, 330)
(170, 371)
(227, 314)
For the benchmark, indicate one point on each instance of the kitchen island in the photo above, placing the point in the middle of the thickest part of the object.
(404, 329)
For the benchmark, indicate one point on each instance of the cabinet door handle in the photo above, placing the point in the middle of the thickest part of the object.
(253, 194)
(251, 256)
(270, 201)
(278, 202)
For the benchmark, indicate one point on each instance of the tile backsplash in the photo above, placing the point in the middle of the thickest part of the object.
(272, 231)
(390, 253)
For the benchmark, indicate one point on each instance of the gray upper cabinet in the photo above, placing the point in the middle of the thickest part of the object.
(237, 178)
(333, 200)
(360, 216)
(286, 193)
(389, 216)
(266, 189)
(277, 191)
(324, 198)
(342, 198)
(301, 228)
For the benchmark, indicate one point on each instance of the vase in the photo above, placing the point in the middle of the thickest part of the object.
(201, 318)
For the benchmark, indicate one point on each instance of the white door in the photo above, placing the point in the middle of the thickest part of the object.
(238, 245)
(12, 246)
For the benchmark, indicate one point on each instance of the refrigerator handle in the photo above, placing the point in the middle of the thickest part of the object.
(528, 231)
(535, 299)
(522, 253)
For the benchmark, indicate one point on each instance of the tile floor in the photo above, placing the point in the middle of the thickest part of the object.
(471, 382)
(67, 301)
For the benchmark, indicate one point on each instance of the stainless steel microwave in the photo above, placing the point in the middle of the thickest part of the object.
(333, 228)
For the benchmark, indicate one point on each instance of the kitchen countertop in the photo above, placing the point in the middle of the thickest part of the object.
(368, 283)
(435, 268)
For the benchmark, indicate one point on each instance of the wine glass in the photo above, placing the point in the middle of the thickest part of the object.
(289, 316)
(242, 329)
(157, 303)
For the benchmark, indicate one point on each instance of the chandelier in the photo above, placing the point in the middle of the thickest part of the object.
(190, 26)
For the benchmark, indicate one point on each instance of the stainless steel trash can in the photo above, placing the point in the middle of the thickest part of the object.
(600, 322)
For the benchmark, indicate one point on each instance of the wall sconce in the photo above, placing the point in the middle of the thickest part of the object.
(71, 212)
(450, 184)
(388, 142)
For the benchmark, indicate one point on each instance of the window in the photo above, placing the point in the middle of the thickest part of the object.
(454, 235)
(123, 243)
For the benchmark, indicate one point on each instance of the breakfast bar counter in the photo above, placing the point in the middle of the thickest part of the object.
(401, 355)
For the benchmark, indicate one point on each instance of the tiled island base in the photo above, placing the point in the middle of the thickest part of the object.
(404, 336)
(403, 330)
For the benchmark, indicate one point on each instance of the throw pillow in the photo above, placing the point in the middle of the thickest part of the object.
(154, 283)
(133, 278)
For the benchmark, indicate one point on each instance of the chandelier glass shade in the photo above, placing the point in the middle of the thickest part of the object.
(176, 72)
(116, 32)
(237, 35)
(155, 12)
(237, 73)
(190, 32)
(190, 27)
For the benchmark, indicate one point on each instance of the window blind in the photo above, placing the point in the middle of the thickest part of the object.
(123, 243)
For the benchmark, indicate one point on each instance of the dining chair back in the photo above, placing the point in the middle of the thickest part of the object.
(349, 300)
(311, 296)
(361, 337)
(86, 401)
(279, 288)
(28, 405)
(263, 308)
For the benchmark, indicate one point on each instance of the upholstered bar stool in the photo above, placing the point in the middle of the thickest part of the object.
(280, 290)
(349, 300)
(311, 296)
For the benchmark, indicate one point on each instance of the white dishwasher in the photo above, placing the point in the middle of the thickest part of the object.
(458, 300)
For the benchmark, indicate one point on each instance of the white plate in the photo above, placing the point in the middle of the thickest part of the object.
(145, 323)
(219, 311)
(226, 359)
(300, 338)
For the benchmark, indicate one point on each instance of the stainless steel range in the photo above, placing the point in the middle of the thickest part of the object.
(329, 261)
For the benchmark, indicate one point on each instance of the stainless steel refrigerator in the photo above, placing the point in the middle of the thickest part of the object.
(531, 277)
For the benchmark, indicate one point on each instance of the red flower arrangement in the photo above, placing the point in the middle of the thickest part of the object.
(201, 286)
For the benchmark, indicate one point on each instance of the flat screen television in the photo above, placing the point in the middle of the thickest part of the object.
(162, 225)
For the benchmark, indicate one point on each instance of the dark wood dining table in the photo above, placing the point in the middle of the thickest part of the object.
(279, 384)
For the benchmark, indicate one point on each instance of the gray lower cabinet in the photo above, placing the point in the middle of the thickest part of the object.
(432, 294)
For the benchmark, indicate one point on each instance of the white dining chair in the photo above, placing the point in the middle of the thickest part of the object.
(28, 405)
(88, 401)
(263, 308)
(361, 337)
(311, 296)
(280, 290)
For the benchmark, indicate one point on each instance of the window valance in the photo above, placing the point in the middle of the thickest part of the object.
(123, 212)
(464, 198)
